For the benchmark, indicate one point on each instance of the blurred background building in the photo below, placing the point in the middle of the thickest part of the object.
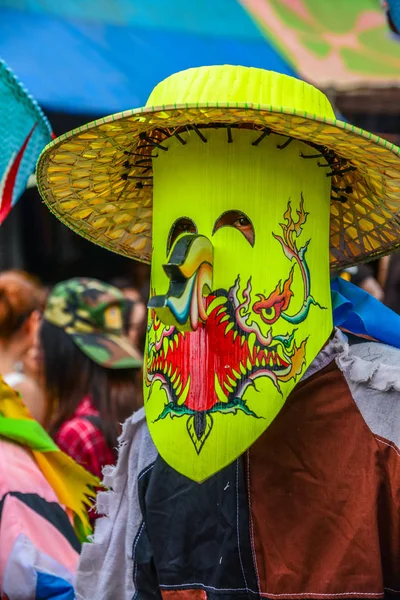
(82, 59)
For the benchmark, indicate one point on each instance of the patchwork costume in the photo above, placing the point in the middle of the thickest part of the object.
(266, 464)
(44, 497)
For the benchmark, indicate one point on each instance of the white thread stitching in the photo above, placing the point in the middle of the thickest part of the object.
(134, 553)
(393, 447)
(145, 471)
(359, 594)
(210, 587)
(138, 534)
(253, 550)
(237, 522)
(205, 587)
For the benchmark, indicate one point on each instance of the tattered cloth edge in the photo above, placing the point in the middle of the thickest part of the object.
(372, 371)
(115, 476)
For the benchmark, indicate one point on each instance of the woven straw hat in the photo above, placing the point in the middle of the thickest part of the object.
(97, 179)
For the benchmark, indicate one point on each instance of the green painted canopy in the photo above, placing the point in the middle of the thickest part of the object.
(341, 44)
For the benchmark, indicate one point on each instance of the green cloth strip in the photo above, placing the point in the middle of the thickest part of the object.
(28, 433)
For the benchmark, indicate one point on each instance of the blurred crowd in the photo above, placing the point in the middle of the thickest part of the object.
(380, 278)
(74, 353)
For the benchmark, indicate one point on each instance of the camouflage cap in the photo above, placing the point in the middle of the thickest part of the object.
(90, 311)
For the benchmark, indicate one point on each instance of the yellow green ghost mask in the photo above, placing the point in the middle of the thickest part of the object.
(240, 300)
(208, 176)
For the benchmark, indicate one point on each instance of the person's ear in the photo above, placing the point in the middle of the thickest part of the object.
(32, 323)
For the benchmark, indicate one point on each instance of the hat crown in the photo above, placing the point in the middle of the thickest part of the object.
(224, 84)
(83, 305)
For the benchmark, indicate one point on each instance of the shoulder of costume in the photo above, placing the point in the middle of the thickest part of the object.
(122, 522)
(372, 372)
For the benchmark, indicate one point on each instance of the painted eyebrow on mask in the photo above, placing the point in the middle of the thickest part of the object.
(181, 225)
(239, 220)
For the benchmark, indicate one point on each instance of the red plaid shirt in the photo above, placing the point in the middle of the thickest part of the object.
(83, 441)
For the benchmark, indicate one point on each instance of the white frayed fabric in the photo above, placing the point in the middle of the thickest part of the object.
(372, 372)
(376, 364)
(106, 565)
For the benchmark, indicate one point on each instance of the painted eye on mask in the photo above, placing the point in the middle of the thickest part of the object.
(238, 220)
(269, 313)
(271, 308)
(181, 225)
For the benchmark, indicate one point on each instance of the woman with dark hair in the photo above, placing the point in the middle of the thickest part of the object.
(21, 302)
(92, 374)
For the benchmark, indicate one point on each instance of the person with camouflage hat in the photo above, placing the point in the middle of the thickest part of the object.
(90, 370)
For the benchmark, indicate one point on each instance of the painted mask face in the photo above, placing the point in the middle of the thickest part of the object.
(240, 291)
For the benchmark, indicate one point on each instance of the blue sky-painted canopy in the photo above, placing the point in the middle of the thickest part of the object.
(99, 57)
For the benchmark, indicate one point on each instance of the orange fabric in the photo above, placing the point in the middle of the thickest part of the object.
(184, 595)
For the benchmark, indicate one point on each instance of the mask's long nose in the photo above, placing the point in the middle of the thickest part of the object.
(189, 269)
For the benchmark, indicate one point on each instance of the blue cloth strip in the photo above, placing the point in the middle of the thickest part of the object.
(52, 587)
(361, 314)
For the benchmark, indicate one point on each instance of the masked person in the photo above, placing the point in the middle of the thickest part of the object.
(267, 465)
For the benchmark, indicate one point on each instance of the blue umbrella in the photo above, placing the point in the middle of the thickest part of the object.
(24, 131)
(392, 8)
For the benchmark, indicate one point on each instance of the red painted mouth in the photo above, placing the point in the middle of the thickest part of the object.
(189, 364)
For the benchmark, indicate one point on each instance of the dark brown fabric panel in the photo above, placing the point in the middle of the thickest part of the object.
(314, 482)
(389, 511)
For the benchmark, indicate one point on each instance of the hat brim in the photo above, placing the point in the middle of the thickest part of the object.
(109, 351)
(86, 179)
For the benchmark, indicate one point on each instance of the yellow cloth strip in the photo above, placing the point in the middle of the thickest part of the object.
(72, 484)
